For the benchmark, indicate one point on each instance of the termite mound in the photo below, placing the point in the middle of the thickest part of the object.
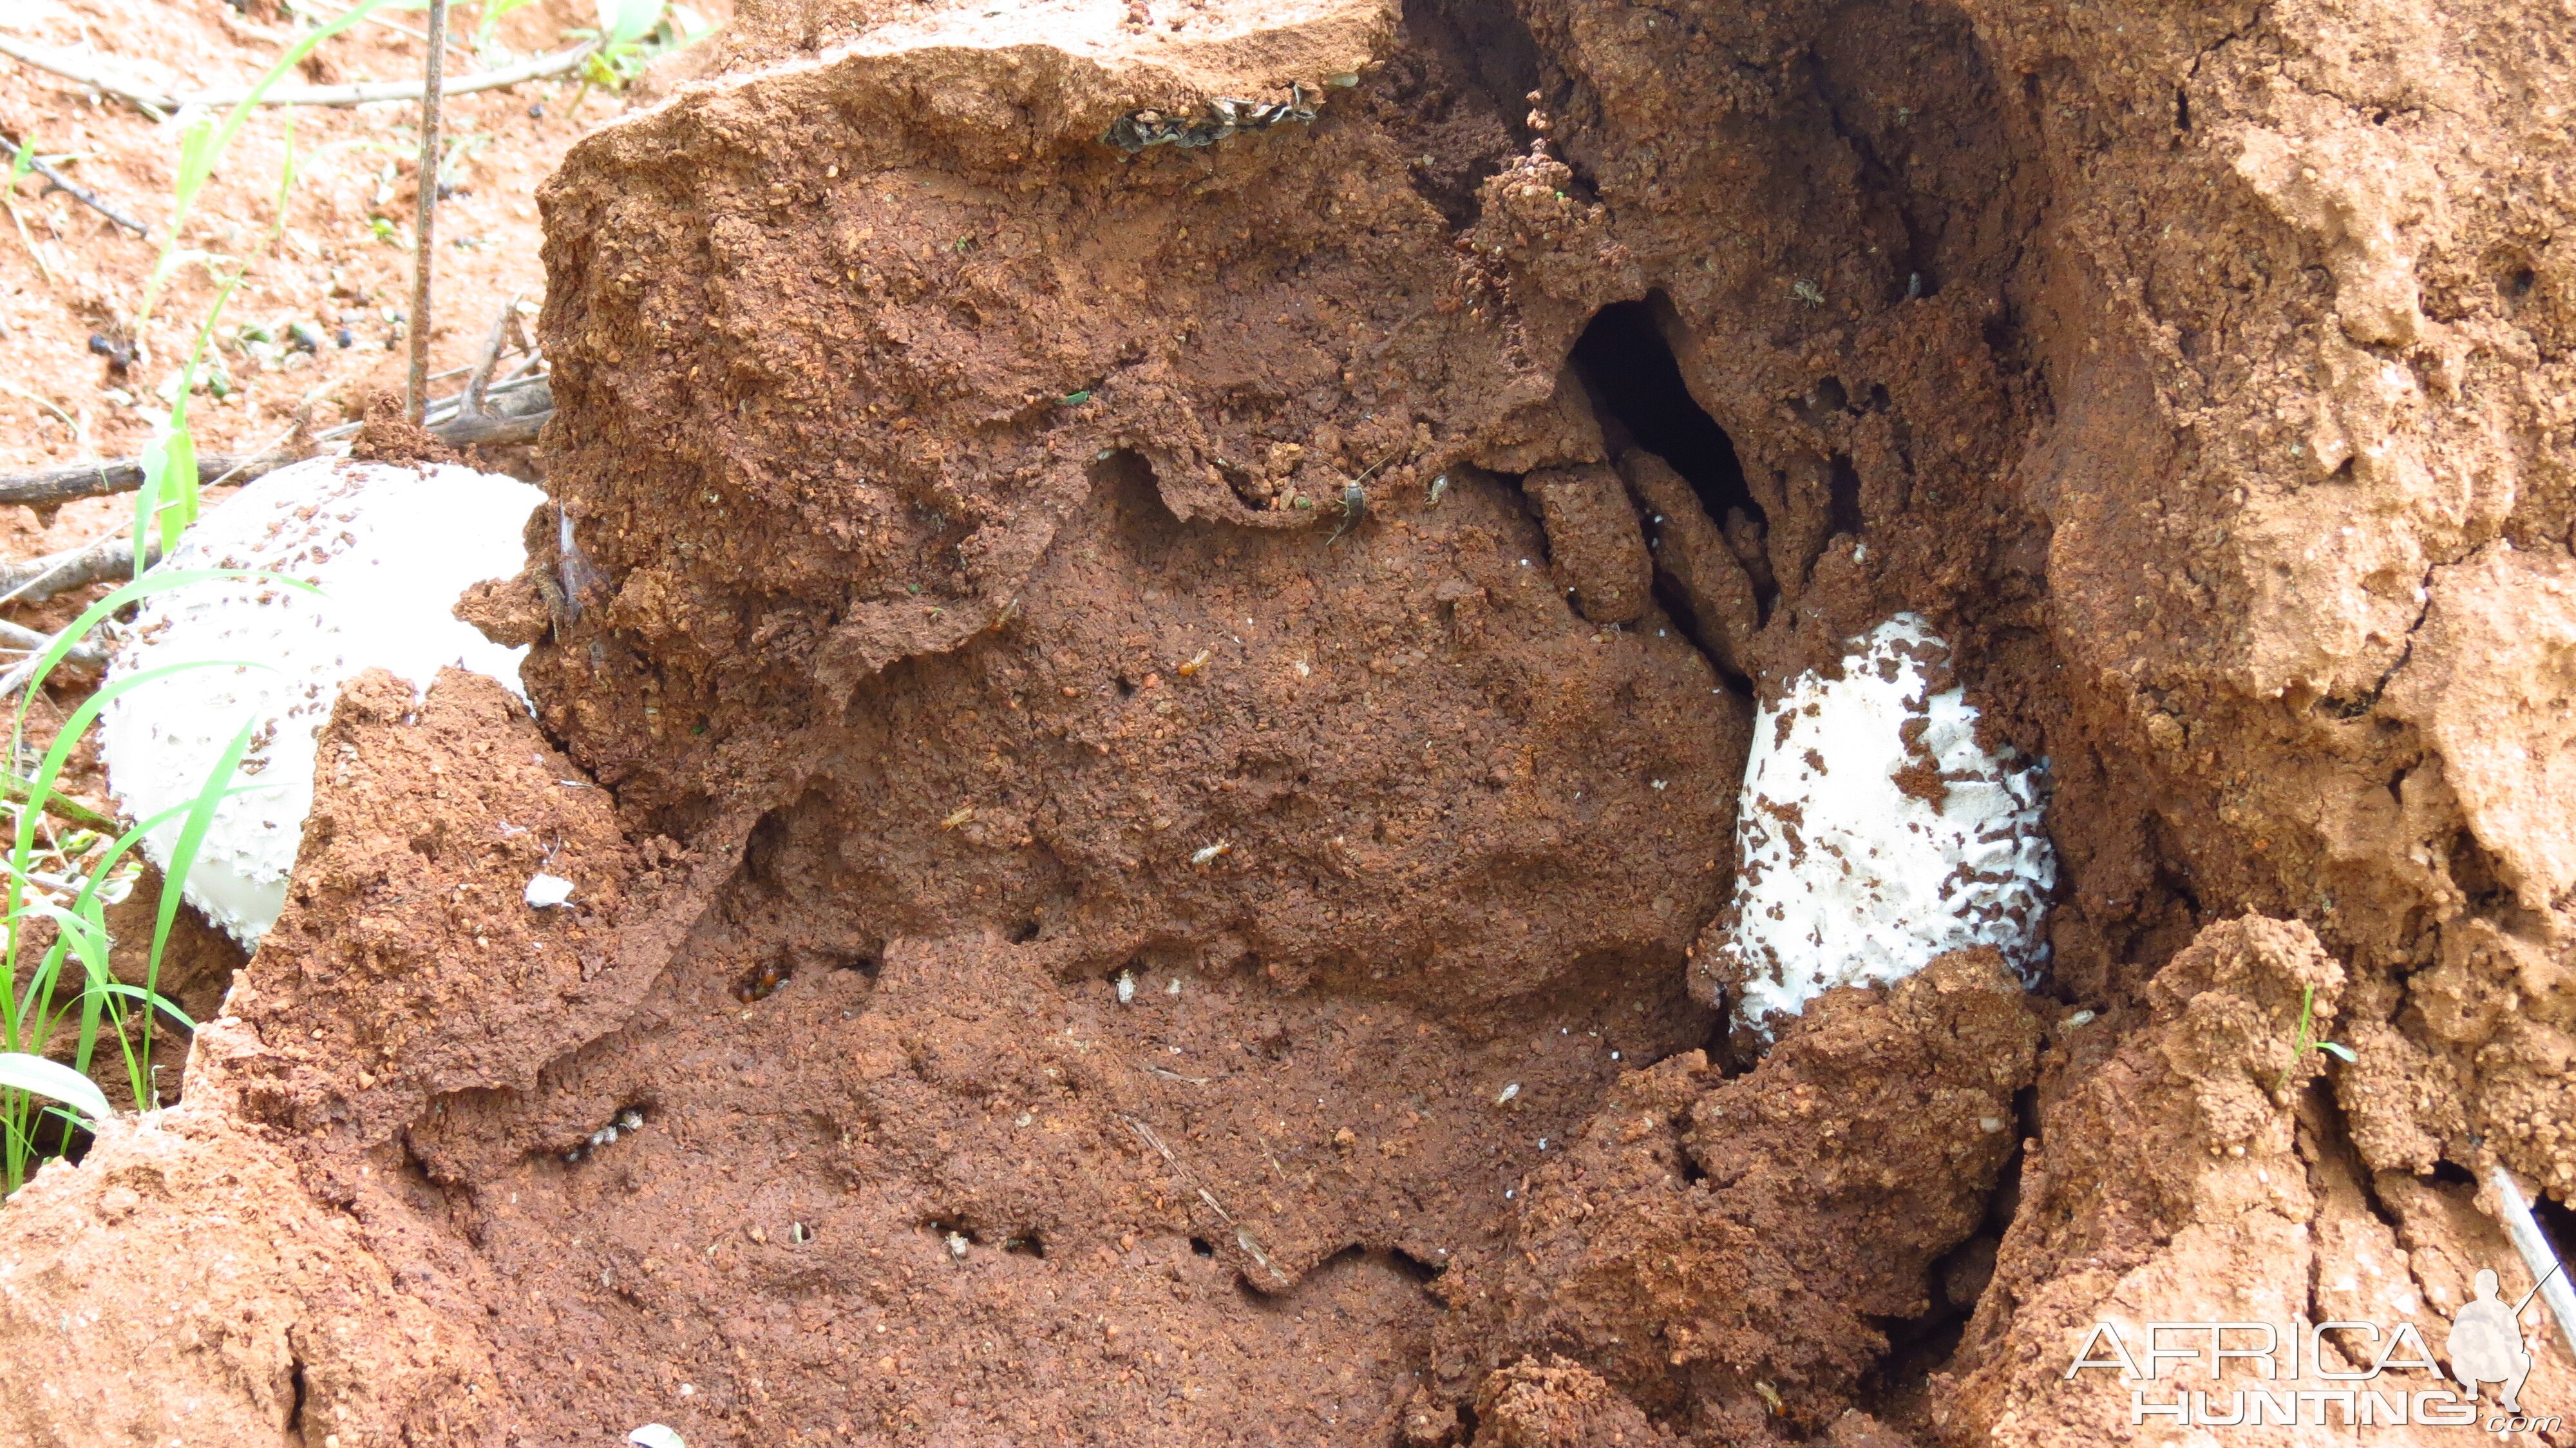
(1284, 914)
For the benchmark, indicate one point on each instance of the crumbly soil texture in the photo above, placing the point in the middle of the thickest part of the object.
(1143, 646)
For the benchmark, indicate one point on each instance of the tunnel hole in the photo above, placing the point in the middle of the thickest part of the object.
(1419, 1272)
(1025, 1244)
(1203, 1246)
(1626, 358)
(1489, 47)
(762, 849)
(1916, 1348)
(954, 1233)
(763, 980)
(2474, 871)
(1842, 487)
(684, 817)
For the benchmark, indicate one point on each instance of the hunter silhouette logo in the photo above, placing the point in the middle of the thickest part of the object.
(2485, 1348)
(2486, 1342)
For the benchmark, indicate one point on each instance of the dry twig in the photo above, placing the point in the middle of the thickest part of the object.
(76, 68)
(516, 412)
(70, 811)
(424, 213)
(480, 380)
(21, 639)
(56, 180)
(34, 580)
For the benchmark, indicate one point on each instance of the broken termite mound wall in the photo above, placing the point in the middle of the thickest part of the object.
(865, 348)
(2155, 358)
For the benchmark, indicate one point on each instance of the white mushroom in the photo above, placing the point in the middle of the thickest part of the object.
(1875, 833)
(390, 549)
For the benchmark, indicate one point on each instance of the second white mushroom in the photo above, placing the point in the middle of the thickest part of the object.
(1875, 833)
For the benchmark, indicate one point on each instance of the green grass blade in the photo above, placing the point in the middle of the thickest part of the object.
(159, 580)
(126, 842)
(33, 1027)
(170, 490)
(285, 180)
(152, 999)
(73, 727)
(202, 146)
(55, 1081)
(183, 857)
(91, 909)
(86, 940)
(622, 22)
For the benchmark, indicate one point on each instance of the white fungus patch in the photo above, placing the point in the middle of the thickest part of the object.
(390, 549)
(1875, 834)
(545, 891)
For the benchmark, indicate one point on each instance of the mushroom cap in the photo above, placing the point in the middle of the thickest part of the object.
(1874, 834)
(389, 548)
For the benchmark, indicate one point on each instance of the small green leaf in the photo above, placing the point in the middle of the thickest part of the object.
(198, 147)
(2339, 1051)
(623, 21)
(22, 1072)
(164, 1004)
(1076, 399)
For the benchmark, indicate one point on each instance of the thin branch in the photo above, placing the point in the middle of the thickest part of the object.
(424, 214)
(21, 639)
(76, 191)
(397, 26)
(519, 421)
(531, 402)
(472, 402)
(489, 429)
(55, 486)
(37, 579)
(111, 554)
(362, 93)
